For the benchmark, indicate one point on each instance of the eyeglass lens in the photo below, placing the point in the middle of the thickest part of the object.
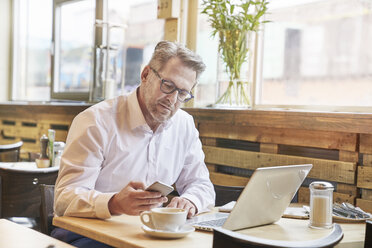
(169, 87)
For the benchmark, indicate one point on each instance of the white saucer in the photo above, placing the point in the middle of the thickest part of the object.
(185, 230)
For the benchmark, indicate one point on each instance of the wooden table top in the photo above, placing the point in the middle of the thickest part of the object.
(125, 231)
(16, 236)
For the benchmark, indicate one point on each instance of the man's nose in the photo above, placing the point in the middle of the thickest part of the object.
(173, 97)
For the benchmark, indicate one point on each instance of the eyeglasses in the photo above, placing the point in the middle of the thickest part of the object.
(169, 87)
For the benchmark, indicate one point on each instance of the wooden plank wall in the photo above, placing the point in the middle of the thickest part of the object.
(30, 131)
(29, 122)
(237, 142)
(364, 176)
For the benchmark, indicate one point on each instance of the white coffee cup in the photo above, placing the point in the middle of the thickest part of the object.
(165, 219)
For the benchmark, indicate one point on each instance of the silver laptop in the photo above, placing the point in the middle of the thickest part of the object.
(263, 200)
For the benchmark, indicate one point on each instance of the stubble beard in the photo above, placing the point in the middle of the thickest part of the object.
(152, 106)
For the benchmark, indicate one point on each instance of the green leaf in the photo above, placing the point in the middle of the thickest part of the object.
(232, 7)
(231, 22)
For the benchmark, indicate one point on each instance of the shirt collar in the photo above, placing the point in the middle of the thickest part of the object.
(136, 118)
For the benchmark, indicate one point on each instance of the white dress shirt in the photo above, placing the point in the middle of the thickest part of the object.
(110, 144)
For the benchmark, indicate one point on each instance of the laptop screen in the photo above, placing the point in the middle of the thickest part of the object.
(265, 197)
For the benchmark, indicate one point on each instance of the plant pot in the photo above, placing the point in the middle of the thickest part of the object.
(236, 24)
(236, 95)
(235, 57)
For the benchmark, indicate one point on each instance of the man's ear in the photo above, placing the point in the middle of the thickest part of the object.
(145, 73)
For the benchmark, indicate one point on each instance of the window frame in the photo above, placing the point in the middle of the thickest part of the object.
(101, 7)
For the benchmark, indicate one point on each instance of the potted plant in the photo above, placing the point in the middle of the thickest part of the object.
(233, 21)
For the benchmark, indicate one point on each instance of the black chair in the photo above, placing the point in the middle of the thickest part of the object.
(225, 238)
(10, 152)
(20, 195)
(226, 194)
(46, 208)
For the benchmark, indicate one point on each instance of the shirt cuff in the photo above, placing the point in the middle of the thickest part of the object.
(102, 210)
(195, 201)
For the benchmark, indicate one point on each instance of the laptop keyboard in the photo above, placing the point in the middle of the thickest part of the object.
(212, 223)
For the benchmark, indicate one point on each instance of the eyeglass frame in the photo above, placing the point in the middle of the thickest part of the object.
(174, 89)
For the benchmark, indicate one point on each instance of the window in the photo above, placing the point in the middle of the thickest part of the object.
(316, 53)
(207, 47)
(73, 42)
(32, 33)
(142, 32)
(95, 51)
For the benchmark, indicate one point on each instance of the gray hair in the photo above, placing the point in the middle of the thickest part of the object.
(165, 50)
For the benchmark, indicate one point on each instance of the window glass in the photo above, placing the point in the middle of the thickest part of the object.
(215, 80)
(317, 53)
(142, 32)
(73, 62)
(134, 32)
(207, 47)
(31, 49)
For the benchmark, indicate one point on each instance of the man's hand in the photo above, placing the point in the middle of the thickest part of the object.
(133, 199)
(179, 202)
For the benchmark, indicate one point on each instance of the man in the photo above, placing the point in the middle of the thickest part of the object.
(118, 147)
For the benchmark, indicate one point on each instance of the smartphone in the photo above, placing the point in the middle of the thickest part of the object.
(163, 188)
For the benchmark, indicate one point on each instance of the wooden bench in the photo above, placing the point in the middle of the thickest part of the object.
(235, 142)
(338, 145)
